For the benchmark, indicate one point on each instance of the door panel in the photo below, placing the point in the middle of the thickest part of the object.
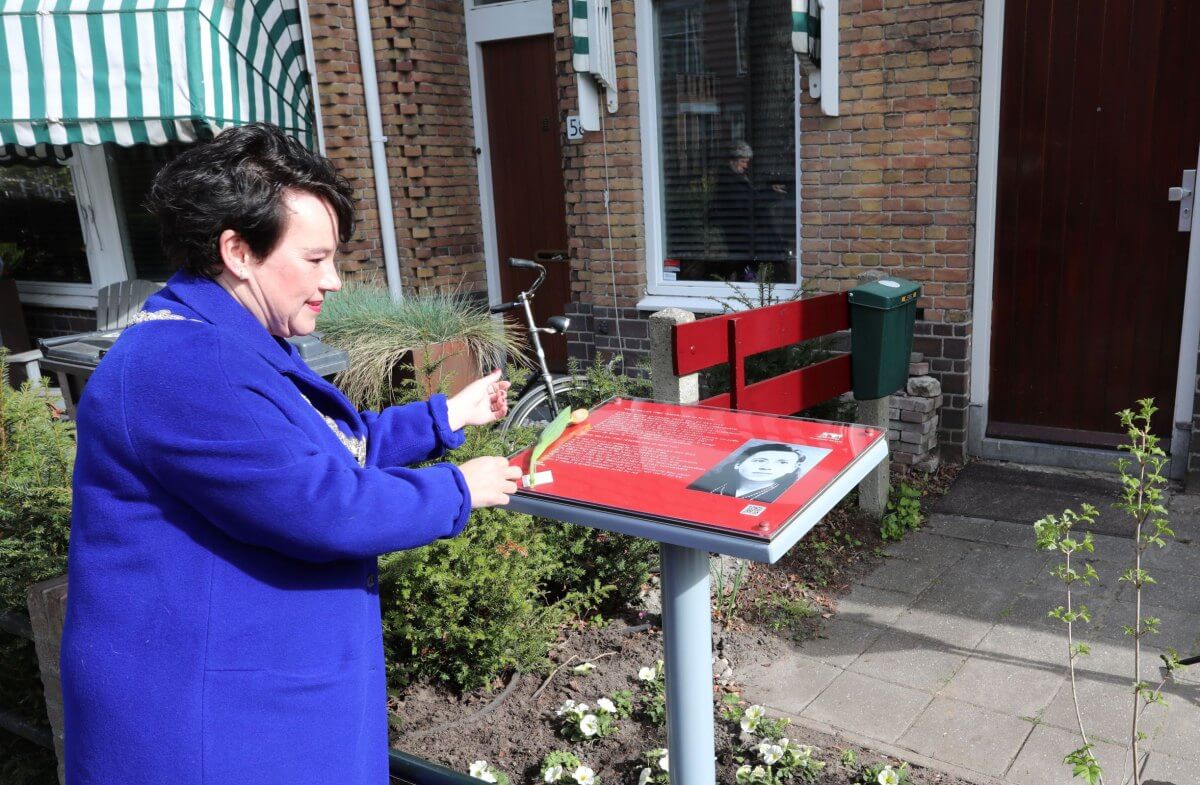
(527, 174)
(1099, 116)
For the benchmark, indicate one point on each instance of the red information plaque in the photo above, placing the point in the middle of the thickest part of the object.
(734, 472)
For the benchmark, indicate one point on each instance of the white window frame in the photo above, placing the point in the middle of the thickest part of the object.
(107, 253)
(690, 295)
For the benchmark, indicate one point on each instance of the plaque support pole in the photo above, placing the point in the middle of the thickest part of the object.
(687, 643)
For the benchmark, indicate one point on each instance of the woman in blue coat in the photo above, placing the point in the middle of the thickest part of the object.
(223, 620)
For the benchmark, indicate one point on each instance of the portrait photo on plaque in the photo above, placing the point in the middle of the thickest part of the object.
(760, 469)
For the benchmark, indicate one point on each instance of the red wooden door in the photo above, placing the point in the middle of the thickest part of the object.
(1099, 116)
(527, 175)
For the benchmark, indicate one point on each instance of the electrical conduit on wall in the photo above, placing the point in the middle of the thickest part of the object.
(383, 187)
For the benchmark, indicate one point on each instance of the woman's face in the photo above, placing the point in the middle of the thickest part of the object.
(768, 465)
(285, 289)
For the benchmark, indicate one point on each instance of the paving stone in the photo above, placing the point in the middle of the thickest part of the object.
(840, 641)
(909, 661)
(1178, 629)
(1104, 681)
(1179, 733)
(1002, 564)
(968, 736)
(1171, 589)
(867, 707)
(930, 548)
(1178, 556)
(958, 526)
(904, 576)
(787, 684)
(944, 627)
(980, 600)
(1163, 768)
(866, 605)
(997, 682)
(1015, 535)
(1040, 761)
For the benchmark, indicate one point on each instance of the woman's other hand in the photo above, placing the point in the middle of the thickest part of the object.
(481, 402)
(490, 480)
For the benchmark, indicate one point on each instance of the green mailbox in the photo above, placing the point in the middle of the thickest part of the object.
(881, 334)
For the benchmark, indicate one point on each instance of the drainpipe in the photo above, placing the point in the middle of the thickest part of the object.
(383, 188)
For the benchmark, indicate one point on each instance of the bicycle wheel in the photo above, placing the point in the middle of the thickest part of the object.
(534, 408)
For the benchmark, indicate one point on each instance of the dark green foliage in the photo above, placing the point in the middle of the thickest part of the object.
(466, 610)
(37, 454)
(903, 512)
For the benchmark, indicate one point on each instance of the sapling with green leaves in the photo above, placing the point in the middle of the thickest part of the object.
(1142, 487)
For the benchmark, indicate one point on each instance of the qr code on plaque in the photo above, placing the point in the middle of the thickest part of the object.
(753, 509)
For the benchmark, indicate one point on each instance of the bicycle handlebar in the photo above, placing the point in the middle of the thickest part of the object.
(503, 307)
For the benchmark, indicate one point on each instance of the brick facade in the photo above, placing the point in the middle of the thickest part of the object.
(425, 102)
(890, 184)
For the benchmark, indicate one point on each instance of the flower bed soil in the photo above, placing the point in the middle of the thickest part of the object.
(514, 726)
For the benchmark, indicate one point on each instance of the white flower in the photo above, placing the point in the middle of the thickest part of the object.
(566, 707)
(589, 726)
(663, 763)
(758, 774)
(742, 775)
(644, 777)
(751, 718)
(646, 674)
(770, 753)
(553, 774)
(888, 776)
(584, 776)
(580, 709)
(607, 705)
(481, 771)
(584, 669)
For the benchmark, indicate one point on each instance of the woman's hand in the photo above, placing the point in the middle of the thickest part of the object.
(490, 480)
(481, 402)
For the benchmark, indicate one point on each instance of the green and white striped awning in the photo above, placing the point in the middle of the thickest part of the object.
(149, 71)
(806, 28)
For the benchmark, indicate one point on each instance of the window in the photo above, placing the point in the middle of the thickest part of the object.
(81, 225)
(725, 90)
(131, 171)
(41, 237)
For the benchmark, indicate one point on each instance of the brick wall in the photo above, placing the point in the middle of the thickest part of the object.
(890, 184)
(601, 310)
(424, 86)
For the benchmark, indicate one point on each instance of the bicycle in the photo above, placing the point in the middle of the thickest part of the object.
(539, 401)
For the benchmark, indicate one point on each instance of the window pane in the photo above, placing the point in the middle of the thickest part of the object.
(728, 131)
(40, 235)
(132, 170)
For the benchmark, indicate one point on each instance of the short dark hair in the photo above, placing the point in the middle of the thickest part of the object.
(769, 447)
(236, 181)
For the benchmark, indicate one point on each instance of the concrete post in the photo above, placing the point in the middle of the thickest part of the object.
(873, 490)
(668, 387)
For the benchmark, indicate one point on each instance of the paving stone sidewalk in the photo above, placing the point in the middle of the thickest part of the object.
(945, 654)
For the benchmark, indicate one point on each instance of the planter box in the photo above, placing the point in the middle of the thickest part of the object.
(450, 362)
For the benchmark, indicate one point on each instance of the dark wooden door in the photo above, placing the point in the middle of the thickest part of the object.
(1099, 116)
(527, 175)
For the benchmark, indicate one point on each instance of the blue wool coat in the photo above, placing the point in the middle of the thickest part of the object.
(223, 622)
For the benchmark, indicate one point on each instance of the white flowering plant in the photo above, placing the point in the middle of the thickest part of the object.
(753, 720)
(581, 722)
(884, 774)
(657, 770)
(482, 770)
(652, 694)
(567, 768)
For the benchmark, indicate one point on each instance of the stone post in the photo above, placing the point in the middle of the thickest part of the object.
(873, 490)
(47, 603)
(668, 387)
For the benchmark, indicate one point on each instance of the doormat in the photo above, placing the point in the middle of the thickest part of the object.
(1016, 494)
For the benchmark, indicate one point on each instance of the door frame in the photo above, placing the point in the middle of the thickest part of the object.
(978, 443)
(485, 23)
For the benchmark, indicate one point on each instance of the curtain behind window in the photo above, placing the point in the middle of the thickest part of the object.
(727, 113)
